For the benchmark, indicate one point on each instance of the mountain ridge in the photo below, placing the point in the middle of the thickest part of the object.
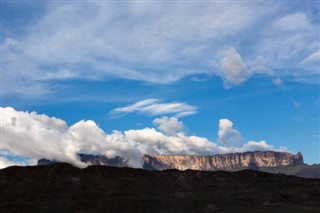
(268, 161)
(61, 187)
(196, 162)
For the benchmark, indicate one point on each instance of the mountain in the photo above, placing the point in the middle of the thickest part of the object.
(91, 160)
(230, 161)
(268, 161)
(63, 188)
(102, 160)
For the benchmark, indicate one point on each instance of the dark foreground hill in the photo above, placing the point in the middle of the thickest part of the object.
(64, 188)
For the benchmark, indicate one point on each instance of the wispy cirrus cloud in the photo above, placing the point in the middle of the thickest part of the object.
(154, 42)
(155, 107)
(314, 57)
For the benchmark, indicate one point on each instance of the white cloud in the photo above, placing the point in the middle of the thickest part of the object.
(7, 159)
(4, 162)
(259, 146)
(293, 22)
(169, 126)
(154, 107)
(101, 40)
(259, 66)
(314, 57)
(227, 134)
(35, 136)
(286, 42)
(233, 69)
(197, 79)
(150, 42)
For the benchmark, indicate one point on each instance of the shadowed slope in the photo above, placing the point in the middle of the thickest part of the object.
(63, 188)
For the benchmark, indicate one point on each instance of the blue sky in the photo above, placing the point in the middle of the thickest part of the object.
(182, 69)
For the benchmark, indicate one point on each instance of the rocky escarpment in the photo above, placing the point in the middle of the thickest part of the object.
(230, 161)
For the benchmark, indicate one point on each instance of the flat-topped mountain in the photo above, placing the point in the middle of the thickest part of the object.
(230, 161)
(268, 161)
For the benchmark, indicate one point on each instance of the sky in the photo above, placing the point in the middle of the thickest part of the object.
(138, 77)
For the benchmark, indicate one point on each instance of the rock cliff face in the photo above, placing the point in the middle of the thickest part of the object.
(231, 161)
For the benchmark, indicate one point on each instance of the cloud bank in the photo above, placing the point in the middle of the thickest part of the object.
(34, 136)
(4, 162)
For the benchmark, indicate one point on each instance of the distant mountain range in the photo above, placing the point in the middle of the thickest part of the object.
(63, 188)
(268, 161)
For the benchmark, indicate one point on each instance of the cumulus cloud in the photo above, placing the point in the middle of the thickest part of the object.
(169, 126)
(37, 136)
(34, 136)
(261, 146)
(233, 69)
(154, 107)
(4, 163)
(7, 159)
(227, 134)
(253, 145)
